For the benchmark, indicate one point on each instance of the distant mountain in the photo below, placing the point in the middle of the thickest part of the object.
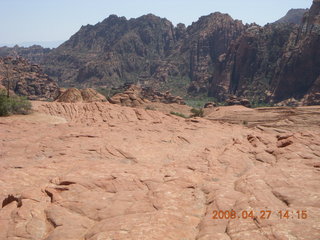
(215, 56)
(26, 79)
(148, 49)
(293, 16)
(44, 44)
(35, 53)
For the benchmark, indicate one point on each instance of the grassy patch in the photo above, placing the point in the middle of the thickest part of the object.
(150, 108)
(179, 114)
(199, 101)
(255, 104)
(13, 105)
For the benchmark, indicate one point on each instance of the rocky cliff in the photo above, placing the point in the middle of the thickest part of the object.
(205, 41)
(26, 79)
(249, 65)
(272, 63)
(299, 67)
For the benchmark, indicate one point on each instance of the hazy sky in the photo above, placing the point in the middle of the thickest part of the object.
(54, 20)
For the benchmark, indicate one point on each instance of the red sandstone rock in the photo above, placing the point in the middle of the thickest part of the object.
(73, 95)
(101, 171)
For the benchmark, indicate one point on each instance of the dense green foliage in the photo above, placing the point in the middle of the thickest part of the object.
(13, 105)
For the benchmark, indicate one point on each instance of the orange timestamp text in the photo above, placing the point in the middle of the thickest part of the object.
(262, 214)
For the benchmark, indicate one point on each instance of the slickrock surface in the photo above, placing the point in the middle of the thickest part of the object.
(298, 118)
(97, 171)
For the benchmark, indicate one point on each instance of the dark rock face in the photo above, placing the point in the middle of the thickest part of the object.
(299, 67)
(294, 16)
(206, 40)
(272, 63)
(27, 79)
(247, 69)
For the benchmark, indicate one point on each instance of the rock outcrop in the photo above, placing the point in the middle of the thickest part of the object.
(135, 96)
(74, 95)
(234, 100)
(26, 79)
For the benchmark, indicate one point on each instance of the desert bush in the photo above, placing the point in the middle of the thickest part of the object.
(245, 122)
(179, 114)
(13, 105)
(200, 101)
(256, 104)
(197, 112)
(150, 108)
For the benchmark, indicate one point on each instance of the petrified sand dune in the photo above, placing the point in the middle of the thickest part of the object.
(112, 172)
(74, 95)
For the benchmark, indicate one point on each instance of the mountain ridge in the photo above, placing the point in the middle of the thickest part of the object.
(197, 60)
(294, 15)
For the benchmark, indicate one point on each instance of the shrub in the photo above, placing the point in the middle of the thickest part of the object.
(197, 112)
(200, 101)
(150, 108)
(178, 114)
(13, 105)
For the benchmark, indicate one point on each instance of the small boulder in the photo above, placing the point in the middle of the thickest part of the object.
(210, 105)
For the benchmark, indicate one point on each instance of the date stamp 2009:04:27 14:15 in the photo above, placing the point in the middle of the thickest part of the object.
(263, 214)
